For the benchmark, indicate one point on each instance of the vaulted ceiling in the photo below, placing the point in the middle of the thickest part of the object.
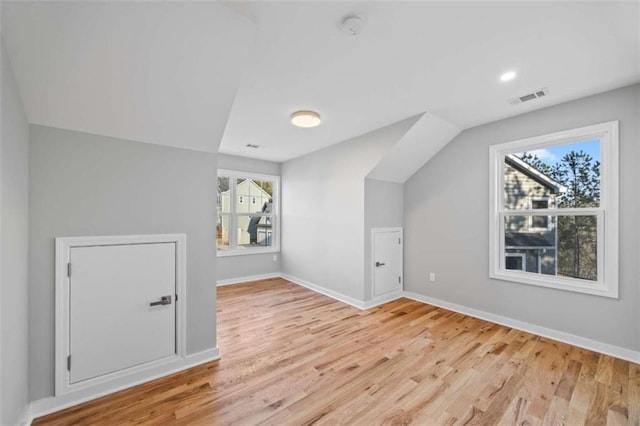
(211, 76)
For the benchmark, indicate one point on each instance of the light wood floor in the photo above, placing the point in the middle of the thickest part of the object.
(293, 357)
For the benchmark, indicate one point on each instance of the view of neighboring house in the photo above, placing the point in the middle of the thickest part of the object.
(250, 198)
(530, 241)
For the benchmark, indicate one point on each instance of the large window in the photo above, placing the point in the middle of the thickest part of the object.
(554, 210)
(248, 213)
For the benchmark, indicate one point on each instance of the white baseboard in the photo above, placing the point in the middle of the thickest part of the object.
(582, 342)
(332, 294)
(246, 279)
(52, 404)
(381, 300)
(27, 415)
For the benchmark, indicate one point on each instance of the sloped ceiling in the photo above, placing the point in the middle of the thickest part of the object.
(158, 72)
(422, 141)
(189, 74)
(414, 56)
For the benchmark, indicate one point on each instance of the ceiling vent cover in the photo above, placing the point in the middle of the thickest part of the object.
(529, 96)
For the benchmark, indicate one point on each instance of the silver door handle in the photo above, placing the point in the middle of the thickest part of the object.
(378, 264)
(164, 300)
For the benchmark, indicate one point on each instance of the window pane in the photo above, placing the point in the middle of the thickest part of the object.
(255, 230)
(224, 195)
(222, 229)
(567, 247)
(578, 247)
(253, 196)
(567, 174)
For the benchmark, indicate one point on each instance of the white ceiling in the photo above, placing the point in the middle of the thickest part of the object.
(168, 72)
(158, 72)
(412, 57)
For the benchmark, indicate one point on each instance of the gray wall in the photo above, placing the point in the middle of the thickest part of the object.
(81, 185)
(446, 221)
(232, 267)
(14, 215)
(323, 210)
(383, 208)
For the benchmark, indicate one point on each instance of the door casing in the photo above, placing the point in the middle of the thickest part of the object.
(63, 247)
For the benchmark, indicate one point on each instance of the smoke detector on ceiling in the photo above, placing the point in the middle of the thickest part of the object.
(529, 96)
(352, 25)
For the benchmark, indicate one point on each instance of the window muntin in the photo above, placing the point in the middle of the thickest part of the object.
(251, 224)
(553, 198)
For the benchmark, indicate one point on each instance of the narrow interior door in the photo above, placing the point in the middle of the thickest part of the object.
(387, 257)
(121, 307)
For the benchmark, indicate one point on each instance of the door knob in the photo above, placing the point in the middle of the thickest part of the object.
(378, 264)
(164, 300)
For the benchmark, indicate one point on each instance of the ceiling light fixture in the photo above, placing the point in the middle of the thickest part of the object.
(508, 76)
(305, 118)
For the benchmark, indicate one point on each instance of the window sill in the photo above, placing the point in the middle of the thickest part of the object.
(565, 284)
(246, 252)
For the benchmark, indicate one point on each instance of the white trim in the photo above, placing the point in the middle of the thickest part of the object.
(375, 231)
(246, 279)
(45, 406)
(385, 298)
(529, 248)
(330, 293)
(571, 339)
(607, 251)
(26, 417)
(247, 251)
(62, 255)
(381, 300)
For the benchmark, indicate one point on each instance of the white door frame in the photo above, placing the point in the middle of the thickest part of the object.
(62, 256)
(373, 253)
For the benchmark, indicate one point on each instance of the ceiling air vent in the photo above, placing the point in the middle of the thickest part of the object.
(250, 145)
(529, 96)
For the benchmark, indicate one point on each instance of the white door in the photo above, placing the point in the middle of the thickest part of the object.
(387, 261)
(117, 315)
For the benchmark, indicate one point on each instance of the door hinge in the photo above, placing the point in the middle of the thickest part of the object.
(69, 363)
(399, 280)
(176, 297)
(399, 241)
(69, 269)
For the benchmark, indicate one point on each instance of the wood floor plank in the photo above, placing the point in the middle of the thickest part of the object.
(294, 357)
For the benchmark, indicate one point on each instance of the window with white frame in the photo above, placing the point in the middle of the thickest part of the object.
(554, 210)
(247, 227)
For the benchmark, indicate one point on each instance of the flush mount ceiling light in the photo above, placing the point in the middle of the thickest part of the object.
(305, 118)
(508, 76)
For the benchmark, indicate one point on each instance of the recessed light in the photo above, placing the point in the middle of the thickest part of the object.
(508, 76)
(305, 118)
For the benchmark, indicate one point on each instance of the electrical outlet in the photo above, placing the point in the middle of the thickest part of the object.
(432, 276)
